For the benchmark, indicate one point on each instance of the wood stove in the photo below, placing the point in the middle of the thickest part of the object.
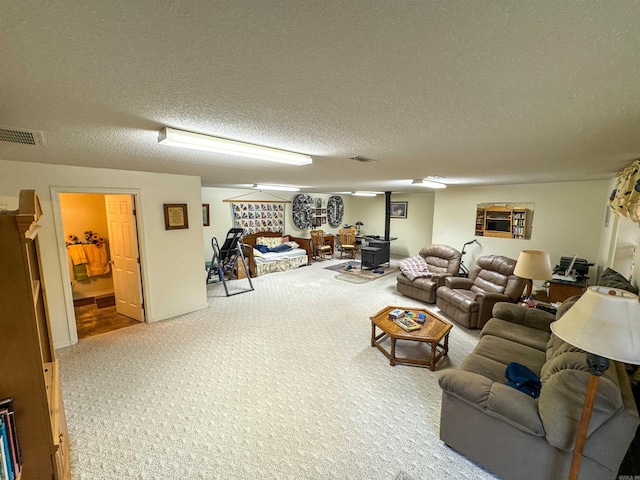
(375, 253)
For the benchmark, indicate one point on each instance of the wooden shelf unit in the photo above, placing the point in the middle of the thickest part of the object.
(28, 367)
(504, 222)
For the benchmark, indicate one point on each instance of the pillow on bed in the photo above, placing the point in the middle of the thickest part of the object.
(292, 244)
(269, 241)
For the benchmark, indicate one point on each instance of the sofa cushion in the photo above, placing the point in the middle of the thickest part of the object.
(495, 399)
(515, 332)
(462, 299)
(505, 351)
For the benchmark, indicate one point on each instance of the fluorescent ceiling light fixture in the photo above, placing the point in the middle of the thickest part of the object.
(364, 194)
(428, 183)
(281, 188)
(197, 141)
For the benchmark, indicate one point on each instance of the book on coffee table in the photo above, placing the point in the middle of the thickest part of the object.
(406, 324)
(416, 317)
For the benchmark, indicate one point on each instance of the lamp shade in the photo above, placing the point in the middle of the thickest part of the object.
(533, 265)
(604, 321)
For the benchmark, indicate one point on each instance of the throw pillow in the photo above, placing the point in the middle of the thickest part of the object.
(292, 244)
(414, 267)
(611, 278)
(269, 241)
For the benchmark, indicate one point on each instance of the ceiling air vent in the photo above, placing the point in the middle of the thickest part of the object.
(360, 159)
(20, 135)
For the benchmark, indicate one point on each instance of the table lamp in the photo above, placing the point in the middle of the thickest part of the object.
(533, 265)
(605, 323)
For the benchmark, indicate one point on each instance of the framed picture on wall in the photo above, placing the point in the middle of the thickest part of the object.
(175, 216)
(205, 215)
(398, 210)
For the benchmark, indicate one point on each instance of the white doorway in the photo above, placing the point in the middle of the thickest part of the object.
(108, 298)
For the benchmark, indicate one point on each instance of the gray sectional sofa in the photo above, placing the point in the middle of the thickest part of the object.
(517, 436)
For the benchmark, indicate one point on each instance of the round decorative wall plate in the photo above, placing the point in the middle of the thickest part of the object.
(335, 210)
(302, 211)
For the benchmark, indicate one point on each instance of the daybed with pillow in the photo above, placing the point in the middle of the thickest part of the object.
(520, 437)
(268, 252)
(421, 275)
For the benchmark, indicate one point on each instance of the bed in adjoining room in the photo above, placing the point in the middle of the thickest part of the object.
(267, 252)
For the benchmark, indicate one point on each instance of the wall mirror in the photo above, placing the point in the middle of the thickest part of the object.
(505, 220)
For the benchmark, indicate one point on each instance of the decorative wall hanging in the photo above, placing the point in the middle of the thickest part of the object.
(335, 210)
(625, 198)
(256, 217)
(302, 211)
(206, 221)
(175, 216)
(399, 209)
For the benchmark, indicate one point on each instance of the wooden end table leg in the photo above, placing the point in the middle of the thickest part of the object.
(373, 334)
(446, 344)
(392, 360)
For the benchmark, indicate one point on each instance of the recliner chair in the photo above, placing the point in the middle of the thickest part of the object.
(469, 300)
(442, 261)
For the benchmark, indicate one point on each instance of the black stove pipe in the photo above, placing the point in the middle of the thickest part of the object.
(387, 214)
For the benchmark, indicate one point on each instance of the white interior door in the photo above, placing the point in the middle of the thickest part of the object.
(125, 259)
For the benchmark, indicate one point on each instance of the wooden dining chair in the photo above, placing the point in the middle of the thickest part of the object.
(347, 242)
(320, 249)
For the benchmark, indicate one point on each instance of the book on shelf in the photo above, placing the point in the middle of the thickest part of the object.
(9, 448)
(406, 324)
(5, 461)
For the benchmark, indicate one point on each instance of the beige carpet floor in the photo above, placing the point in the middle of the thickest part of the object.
(278, 383)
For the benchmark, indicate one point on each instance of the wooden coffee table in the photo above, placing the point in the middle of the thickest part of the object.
(434, 331)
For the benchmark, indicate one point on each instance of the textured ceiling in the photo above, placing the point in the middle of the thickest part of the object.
(478, 92)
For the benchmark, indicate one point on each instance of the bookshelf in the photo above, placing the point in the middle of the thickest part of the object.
(480, 221)
(28, 366)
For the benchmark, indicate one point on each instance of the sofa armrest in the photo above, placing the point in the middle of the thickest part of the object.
(305, 243)
(495, 399)
(458, 282)
(439, 278)
(529, 317)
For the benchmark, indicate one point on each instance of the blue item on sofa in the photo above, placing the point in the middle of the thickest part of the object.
(262, 248)
(522, 378)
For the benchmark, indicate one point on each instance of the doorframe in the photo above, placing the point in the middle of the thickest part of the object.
(62, 248)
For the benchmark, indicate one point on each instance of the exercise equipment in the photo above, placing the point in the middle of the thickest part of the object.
(225, 261)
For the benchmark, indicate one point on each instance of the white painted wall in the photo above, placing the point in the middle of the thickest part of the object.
(412, 233)
(172, 261)
(568, 219)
